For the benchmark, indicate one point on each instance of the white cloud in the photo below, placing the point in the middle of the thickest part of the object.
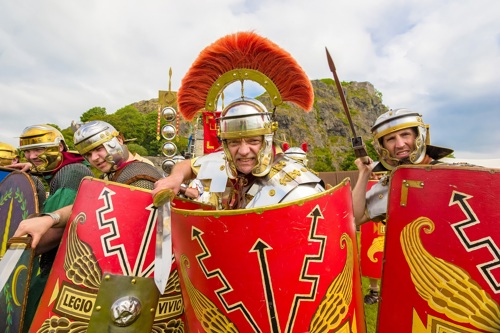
(61, 58)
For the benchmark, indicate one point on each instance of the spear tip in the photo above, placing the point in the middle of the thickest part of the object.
(330, 60)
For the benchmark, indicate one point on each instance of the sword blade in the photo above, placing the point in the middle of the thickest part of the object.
(9, 262)
(163, 253)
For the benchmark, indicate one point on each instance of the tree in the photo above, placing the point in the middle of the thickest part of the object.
(68, 137)
(150, 136)
(129, 121)
(348, 162)
(96, 113)
(135, 148)
(321, 160)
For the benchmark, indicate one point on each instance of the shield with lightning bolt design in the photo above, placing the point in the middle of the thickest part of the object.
(111, 232)
(442, 260)
(291, 267)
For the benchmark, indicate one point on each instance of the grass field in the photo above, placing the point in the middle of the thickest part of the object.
(370, 310)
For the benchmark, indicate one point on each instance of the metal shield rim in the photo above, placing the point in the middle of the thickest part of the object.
(260, 210)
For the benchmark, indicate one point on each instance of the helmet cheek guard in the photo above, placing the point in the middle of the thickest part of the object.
(243, 118)
(96, 133)
(45, 137)
(396, 120)
(117, 152)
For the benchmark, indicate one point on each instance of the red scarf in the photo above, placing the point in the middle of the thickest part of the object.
(68, 158)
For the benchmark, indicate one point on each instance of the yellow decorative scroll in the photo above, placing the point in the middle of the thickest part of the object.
(80, 264)
(335, 304)
(447, 288)
(376, 246)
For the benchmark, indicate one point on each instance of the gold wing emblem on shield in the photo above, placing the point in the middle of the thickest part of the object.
(174, 284)
(62, 324)
(173, 325)
(210, 317)
(376, 246)
(335, 304)
(447, 288)
(80, 263)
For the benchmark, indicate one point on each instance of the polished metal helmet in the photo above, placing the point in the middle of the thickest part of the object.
(243, 118)
(48, 138)
(7, 154)
(96, 133)
(298, 154)
(395, 120)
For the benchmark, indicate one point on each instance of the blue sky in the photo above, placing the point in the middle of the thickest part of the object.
(440, 58)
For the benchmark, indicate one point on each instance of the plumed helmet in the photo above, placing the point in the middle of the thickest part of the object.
(395, 120)
(247, 117)
(243, 57)
(95, 133)
(7, 154)
(48, 138)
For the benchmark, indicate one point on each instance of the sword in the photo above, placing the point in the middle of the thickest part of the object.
(16, 247)
(356, 141)
(163, 253)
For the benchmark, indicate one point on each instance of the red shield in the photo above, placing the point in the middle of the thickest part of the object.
(372, 246)
(290, 267)
(372, 249)
(112, 230)
(442, 259)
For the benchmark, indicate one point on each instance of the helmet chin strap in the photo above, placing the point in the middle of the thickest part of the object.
(404, 161)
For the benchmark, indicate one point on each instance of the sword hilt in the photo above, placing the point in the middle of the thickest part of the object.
(162, 197)
(24, 241)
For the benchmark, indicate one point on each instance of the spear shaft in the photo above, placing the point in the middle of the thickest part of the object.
(357, 141)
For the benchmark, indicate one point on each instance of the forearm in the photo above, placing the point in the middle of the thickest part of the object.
(49, 240)
(65, 214)
(180, 172)
(38, 227)
(359, 198)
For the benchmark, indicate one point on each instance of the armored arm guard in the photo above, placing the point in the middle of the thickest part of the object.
(376, 200)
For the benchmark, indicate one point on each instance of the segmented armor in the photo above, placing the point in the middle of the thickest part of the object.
(287, 180)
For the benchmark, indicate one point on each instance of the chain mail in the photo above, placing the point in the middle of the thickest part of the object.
(40, 191)
(69, 176)
(138, 174)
